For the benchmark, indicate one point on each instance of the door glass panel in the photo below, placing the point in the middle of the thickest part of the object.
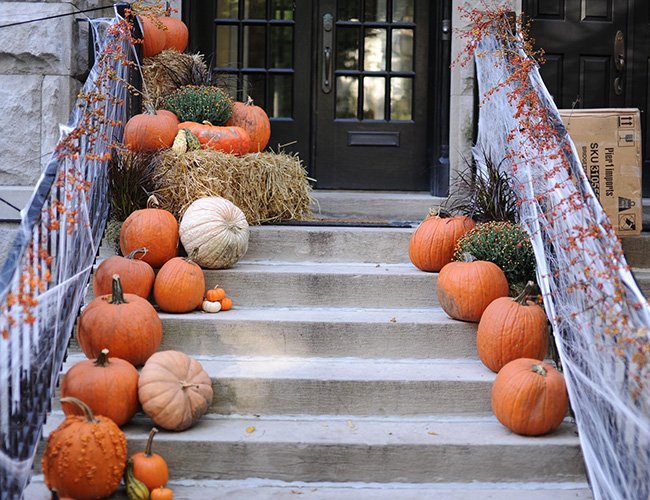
(226, 44)
(281, 45)
(347, 96)
(227, 9)
(254, 85)
(402, 11)
(282, 9)
(347, 48)
(401, 99)
(254, 46)
(402, 46)
(255, 9)
(374, 49)
(374, 94)
(348, 10)
(281, 96)
(227, 83)
(375, 10)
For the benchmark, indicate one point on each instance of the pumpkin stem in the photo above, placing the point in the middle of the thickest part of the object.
(149, 108)
(143, 250)
(147, 448)
(102, 359)
(88, 413)
(206, 122)
(186, 385)
(152, 202)
(249, 101)
(522, 298)
(117, 295)
(441, 212)
(539, 369)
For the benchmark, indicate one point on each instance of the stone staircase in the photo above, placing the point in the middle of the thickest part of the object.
(338, 376)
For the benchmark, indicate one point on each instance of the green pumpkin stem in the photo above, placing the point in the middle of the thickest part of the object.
(522, 298)
(117, 295)
(147, 448)
(539, 369)
(102, 360)
(88, 413)
(142, 250)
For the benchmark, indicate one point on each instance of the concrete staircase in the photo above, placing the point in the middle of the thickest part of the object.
(337, 376)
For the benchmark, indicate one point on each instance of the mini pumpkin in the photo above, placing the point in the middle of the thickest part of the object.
(148, 467)
(162, 494)
(151, 130)
(136, 275)
(529, 397)
(226, 304)
(211, 306)
(214, 294)
(179, 286)
(85, 455)
(174, 390)
(466, 288)
(254, 120)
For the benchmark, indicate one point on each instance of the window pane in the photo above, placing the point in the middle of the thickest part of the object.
(374, 96)
(347, 96)
(227, 9)
(374, 50)
(254, 46)
(254, 86)
(254, 9)
(281, 96)
(347, 48)
(348, 10)
(403, 11)
(282, 9)
(375, 10)
(281, 46)
(226, 46)
(402, 56)
(401, 99)
(228, 83)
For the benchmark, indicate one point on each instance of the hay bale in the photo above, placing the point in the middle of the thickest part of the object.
(169, 70)
(266, 186)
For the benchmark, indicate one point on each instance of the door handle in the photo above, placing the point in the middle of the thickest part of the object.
(328, 26)
(619, 51)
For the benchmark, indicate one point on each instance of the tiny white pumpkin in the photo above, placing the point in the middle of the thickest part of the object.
(211, 307)
(214, 232)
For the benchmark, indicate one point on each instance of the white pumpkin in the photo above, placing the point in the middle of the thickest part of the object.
(214, 232)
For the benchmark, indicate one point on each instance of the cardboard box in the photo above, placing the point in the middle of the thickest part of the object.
(609, 145)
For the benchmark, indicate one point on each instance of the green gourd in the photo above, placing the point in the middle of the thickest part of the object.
(135, 489)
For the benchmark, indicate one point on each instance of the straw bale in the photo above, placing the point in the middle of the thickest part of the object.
(266, 186)
(169, 70)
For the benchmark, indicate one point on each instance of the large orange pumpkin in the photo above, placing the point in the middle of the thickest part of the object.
(153, 36)
(151, 130)
(85, 456)
(136, 275)
(176, 34)
(153, 228)
(529, 397)
(125, 324)
(179, 286)
(466, 288)
(510, 329)
(254, 120)
(109, 386)
(233, 140)
(432, 244)
(148, 467)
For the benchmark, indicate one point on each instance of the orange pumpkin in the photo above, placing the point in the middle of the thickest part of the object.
(510, 329)
(254, 120)
(162, 494)
(432, 244)
(179, 286)
(215, 294)
(466, 288)
(125, 324)
(150, 468)
(176, 34)
(151, 130)
(234, 140)
(153, 36)
(153, 228)
(226, 304)
(109, 386)
(85, 456)
(136, 275)
(529, 397)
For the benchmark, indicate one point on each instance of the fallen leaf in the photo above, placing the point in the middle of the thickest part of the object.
(431, 433)
(250, 429)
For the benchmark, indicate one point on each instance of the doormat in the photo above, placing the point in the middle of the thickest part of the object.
(345, 223)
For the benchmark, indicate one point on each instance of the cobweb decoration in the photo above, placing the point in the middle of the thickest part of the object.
(43, 281)
(600, 318)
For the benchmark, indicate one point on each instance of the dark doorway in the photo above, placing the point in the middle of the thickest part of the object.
(348, 84)
(597, 55)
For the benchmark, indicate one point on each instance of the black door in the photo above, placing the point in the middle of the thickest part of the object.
(597, 55)
(345, 83)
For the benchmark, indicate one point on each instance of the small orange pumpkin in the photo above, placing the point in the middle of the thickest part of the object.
(215, 294)
(109, 386)
(234, 140)
(179, 286)
(529, 397)
(85, 456)
(226, 304)
(176, 34)
(162, 494)
(136, 275)
(254, 120)
(432, 244)
(466, 288)
(150, 468)
(151, 130)
(510, 329)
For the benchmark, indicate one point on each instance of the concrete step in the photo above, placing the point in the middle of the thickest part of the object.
(255, 489)
(637, 250)
(344, 386)
(348, 448)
